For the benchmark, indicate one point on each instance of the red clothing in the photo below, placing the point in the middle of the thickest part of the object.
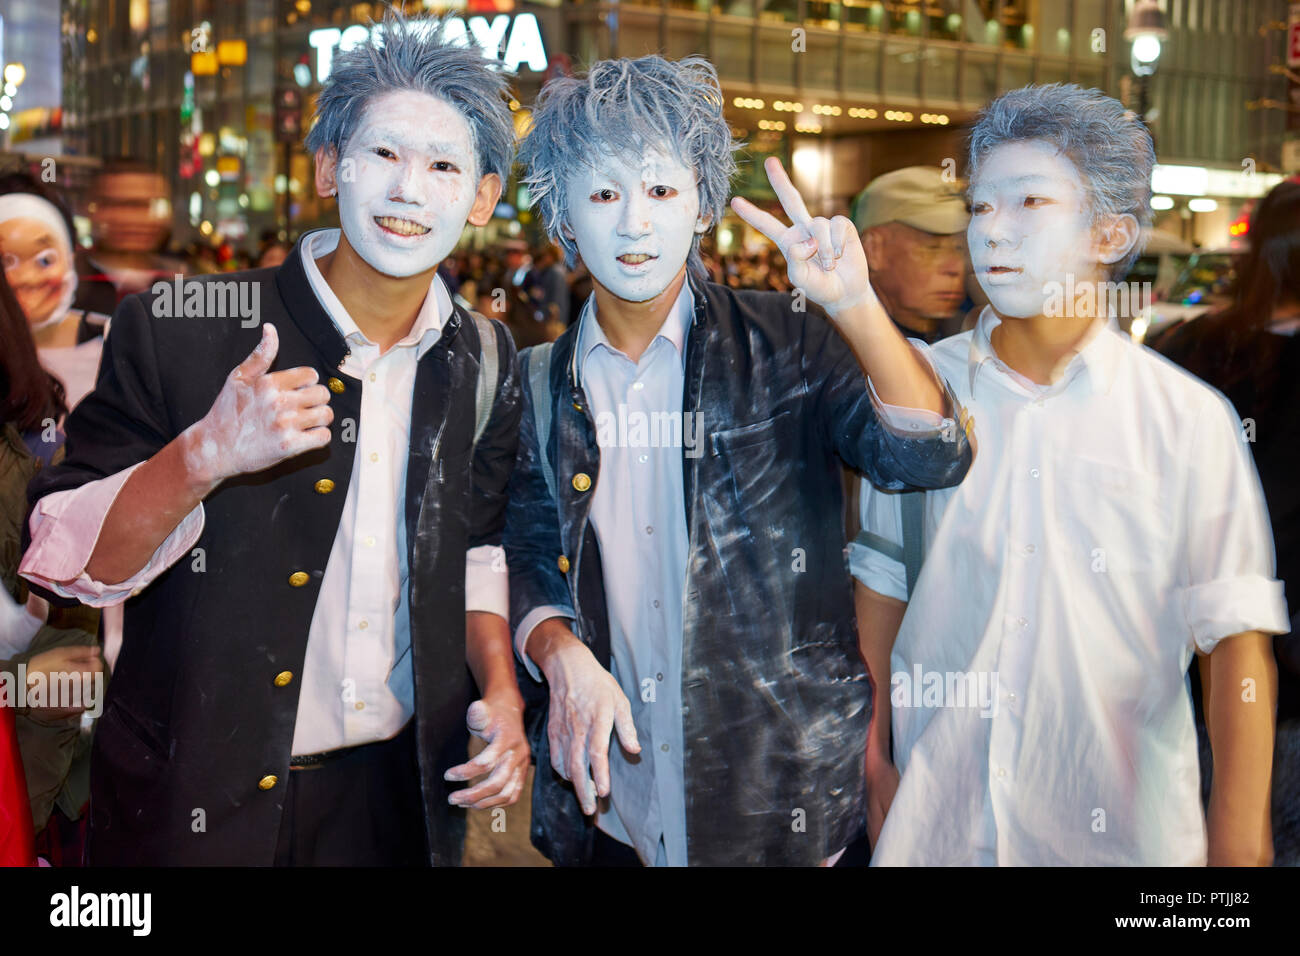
(17, 844)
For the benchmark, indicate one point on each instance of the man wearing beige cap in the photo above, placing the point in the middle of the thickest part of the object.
(913, 226)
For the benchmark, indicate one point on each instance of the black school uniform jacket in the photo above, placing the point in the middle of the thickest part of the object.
(191, 757)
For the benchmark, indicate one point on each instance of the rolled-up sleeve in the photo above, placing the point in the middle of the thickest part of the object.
(487, 585)
(1231, 586)
(896, 448)
(873, 554)
(65, 527)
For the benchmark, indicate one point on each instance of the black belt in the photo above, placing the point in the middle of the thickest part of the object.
(314, 761)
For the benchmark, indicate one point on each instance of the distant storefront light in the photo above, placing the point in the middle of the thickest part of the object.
(519, 36)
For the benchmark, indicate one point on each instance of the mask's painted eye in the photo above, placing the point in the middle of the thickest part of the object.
(48, 258)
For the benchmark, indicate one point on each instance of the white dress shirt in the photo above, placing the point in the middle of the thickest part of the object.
(357, 682)
(1111, 525)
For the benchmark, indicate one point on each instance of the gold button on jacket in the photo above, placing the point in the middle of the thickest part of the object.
(284, 678)
(324, 486)
(564, 564)
(298, 579)
(581, 482)
(336, 385)
(267, 782)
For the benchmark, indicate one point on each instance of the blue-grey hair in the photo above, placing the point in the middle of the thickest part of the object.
(1108, 144)
(414, 54)
(622, 107)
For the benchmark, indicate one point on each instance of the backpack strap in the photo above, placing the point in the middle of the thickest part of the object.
(488, 364)
(911, 553)
(539, 383)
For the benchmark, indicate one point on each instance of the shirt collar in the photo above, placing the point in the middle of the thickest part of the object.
(425, 331)
(1099, 356)
(591, 335)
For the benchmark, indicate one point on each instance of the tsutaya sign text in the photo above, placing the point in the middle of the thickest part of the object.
(516, 40)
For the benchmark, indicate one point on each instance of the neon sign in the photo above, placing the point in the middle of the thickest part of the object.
(515, 41)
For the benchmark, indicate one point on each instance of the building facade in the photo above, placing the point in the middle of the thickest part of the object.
(214, 94)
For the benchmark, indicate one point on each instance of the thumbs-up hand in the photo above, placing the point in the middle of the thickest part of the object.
(260, 418)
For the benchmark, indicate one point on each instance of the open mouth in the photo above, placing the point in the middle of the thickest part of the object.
(400, 227)
(635, 258)
(1002, 270)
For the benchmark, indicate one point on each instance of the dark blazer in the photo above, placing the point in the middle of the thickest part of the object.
(776, 697)
(195, 725)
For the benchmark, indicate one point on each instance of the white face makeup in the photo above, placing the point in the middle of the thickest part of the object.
(633, 219)
(407, 182)
(1029, 227)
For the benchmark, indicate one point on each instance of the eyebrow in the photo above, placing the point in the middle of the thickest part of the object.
(437, 146)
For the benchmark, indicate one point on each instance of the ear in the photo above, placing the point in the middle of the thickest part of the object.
(326, 168)
(1116, 236)
(873, 241)
(704, 223)
(485, 200)
(567, 233)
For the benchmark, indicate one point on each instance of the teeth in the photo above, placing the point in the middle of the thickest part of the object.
(634, 259)
(403, 227)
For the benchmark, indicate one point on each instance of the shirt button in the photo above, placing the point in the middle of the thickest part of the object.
(643, 459)
(1029, 549)
(374, 456)
(1011, 695)
(1022, 622)
(363, 624)
(359, 705)
(370, 541)
(656, 602)
(649, 529)
(637, 386)
(1002, 771)
(1033, 472)
(664, 748)
(372, 376)
(659, 676)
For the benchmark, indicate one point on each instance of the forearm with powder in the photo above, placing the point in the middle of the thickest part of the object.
(152, 502)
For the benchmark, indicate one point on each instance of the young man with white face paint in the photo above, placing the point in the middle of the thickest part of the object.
(295, 691)
(1111, 528)
(683, 585)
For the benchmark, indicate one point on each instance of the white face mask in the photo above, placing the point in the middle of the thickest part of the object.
(407, 182)
(634, 219)
(1029, 229)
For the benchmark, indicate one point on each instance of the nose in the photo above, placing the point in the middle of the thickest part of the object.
(634, 221)
(994, 229)
(410, 185)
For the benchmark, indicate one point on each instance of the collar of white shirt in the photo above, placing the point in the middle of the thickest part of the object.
(591, 335)
(1099, 357)
(426, 329)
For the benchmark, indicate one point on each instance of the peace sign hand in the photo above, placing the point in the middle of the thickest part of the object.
(824, 257)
